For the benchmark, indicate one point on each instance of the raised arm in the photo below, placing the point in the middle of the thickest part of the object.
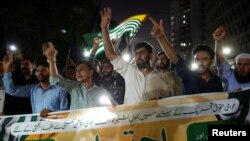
(96, 42)
(7, 61)
(10, 88)
(105, 21)
(219, 35)
(158, 33)
(50, 52)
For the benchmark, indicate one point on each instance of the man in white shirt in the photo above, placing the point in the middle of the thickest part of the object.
(141, 80)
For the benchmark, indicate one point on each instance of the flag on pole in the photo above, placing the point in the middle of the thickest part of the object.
(129, 26)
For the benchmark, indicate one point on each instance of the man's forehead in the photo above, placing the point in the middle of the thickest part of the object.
(81, 66)
(26, 61)
(106, 64)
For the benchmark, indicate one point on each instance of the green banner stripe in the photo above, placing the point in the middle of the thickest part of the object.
(6, 121)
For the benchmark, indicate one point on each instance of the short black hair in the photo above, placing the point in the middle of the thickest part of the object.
(86, 62)
(29, 58)
(43, 63)
(145, 45)
(106, 61)
(206, 48)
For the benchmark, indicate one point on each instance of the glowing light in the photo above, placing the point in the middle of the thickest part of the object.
(92, 114)
(126, 57)
(105, 100)
(86, 53)
(183, 44)
(13, 48)
(63, 31)
(226, 50)
(194, 66)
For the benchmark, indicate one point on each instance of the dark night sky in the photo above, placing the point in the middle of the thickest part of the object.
(156, 8)
(120, 11)
(29, 23)
(126, 8)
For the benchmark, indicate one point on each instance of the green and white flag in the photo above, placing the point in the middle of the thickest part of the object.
(130, 26)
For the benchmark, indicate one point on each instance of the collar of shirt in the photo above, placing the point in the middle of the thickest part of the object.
(39, 86)
(84, 88)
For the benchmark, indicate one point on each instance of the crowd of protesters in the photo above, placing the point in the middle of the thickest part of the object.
(89, 83)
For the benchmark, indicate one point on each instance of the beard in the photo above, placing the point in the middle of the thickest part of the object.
(107, 74)
(143, 64)
(242, 78)
(164, 66)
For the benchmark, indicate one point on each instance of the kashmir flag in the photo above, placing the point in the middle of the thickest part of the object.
(128, 28)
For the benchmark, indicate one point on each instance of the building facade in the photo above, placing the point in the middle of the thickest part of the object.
(193, 22)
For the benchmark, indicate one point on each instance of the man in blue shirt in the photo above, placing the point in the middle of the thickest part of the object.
(239, 78)
(43, 95)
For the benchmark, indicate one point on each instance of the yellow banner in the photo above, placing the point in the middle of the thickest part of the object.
(182, 118)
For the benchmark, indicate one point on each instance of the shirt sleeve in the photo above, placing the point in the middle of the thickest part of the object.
(219, 84)
(225, 71)
(187, 76)
(67, 84)
(181, 69)
(178, 85)
(11, 89)
(64, 104)
(121, 66)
